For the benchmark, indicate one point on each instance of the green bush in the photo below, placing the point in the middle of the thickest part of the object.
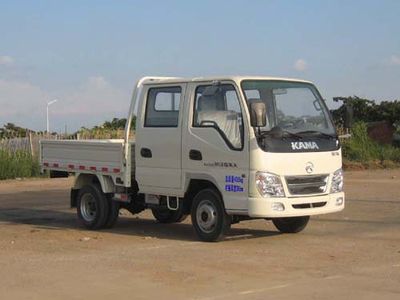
(18, 164)
(362, 149)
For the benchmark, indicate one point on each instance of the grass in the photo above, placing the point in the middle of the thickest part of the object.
(101, 133)
(18, 164)
(360, 148)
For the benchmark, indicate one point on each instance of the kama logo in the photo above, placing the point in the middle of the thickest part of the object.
(309, 167)
(304, 145)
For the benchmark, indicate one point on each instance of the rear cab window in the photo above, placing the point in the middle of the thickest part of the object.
(162, 107)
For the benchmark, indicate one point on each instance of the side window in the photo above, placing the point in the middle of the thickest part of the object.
(162, 107)
(218, 107)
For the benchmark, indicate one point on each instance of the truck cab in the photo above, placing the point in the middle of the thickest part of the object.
(222, 149)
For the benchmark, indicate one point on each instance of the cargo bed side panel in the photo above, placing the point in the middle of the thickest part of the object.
(84, 156)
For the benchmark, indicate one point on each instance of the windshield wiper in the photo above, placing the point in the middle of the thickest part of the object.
(278, 132)
(316, 132)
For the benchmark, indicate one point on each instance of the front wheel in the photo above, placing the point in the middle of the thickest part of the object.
(208, 214)
(291, 225)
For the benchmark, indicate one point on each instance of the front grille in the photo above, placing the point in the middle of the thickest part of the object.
(307, 185)
(309, 205)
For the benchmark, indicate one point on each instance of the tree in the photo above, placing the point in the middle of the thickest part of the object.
(115, 124)
(366, 110)
(109, 129)
(11, 130)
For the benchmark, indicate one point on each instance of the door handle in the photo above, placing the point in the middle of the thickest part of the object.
(146, 152)
(195, 155)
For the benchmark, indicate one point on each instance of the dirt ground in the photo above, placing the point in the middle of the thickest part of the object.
(354, 254)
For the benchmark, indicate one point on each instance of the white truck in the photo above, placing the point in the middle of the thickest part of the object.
(222, 149)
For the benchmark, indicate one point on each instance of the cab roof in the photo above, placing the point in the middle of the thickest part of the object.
(236, 78)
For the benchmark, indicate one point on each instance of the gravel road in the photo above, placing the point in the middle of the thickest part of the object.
(354, 254)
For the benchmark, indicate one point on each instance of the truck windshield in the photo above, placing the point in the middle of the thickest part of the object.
(293, 107)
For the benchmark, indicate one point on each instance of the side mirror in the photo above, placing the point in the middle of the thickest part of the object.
(258, 114)
(348, 116)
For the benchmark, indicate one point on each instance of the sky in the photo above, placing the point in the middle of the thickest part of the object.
(88, 54)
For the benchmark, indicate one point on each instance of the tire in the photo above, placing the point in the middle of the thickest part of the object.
(92, 207)
(136, 205)
(169, 216)
(209, 218)
(291, 225)
(113, 213)
(165, 215)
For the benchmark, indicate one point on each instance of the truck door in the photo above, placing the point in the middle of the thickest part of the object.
(214, 146)
(159, 140)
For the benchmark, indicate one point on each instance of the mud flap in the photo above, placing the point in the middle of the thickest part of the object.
(73, 199)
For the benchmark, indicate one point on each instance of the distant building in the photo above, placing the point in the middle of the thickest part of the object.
(381, 132)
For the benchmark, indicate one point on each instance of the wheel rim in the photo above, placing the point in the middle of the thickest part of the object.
(88, 207)
(206, 216)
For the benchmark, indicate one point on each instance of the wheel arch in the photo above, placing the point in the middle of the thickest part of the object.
(195, 185)
(81, 179)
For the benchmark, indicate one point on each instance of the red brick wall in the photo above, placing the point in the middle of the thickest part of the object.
(381, 132)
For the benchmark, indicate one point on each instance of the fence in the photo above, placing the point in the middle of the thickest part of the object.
(30, 143)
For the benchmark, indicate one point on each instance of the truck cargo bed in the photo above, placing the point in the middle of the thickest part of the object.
(88, 156)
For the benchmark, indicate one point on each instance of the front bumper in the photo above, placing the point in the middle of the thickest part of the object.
(299, 206)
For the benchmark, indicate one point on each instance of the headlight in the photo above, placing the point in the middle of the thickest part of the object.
(337, 182)
(269, 185)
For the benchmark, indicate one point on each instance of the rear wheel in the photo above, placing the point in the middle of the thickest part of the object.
(168, 216)
(209, 218)
(165, 215)
(291, 225)
(113, 212)
(92, 207)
